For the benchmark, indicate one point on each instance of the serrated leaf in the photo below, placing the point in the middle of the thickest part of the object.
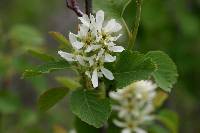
(60, 38)
(169, 119)
(166, 73)
(68, 82)
(46, 68)
(132, 66)
(90, 108)
(82, 127)
(42, 56)
(49, 98)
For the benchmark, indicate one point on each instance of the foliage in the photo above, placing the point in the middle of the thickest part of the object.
(131, 66)
(172, 29)
(51, 97)
(90, 108)
(166, 73)
(46, 68)
(135, 67)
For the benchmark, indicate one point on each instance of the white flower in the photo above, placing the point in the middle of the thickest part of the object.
(95, 78)
(71, 57)
(129, 127)
(134, 105)
(94, 45)
(75, 43)
(112, 26)
(99, 73)
(72, 131)
(67, 56)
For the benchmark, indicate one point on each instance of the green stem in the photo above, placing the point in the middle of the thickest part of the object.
(126, 26)
(134, 32)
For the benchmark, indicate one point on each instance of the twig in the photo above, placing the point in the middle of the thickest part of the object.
(72, 4)
(88, 7)
(136, 24)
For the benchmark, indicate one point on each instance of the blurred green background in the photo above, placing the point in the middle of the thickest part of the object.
(170, 25)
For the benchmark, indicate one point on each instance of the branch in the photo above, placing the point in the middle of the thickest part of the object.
(72, 4)
(136, 24)
(88, 7)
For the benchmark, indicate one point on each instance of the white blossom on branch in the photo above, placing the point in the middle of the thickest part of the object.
(94, 45)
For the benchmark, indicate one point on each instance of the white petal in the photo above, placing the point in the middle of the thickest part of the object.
(112, 26)
(83, 31)
(85, 20)
(110, 44)
(66, 56)
(115, 96)
(95, 78)
(122, 113)
(115, 38)
(116, 48)
(126, 130)
(148, 118)
(99, 19)
(76, 44)
(72, 131)
(80, 60)
(92, 20)
(119, 123)
(100, 54)
(109, 58)
(107, 73)
(92, 47)
(140, 130)
(116, 107)
(72, 37)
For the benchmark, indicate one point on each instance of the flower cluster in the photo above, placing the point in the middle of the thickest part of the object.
(135, 105)
(94, 45)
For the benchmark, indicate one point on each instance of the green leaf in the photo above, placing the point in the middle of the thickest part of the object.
(49, 98)
(42, 56)
(68, 82)
(132, 66)
(26, 35)
(90, 108)
(46, 68)
(60, 38)
(169, 119)
(166, 73)
(82, 127)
